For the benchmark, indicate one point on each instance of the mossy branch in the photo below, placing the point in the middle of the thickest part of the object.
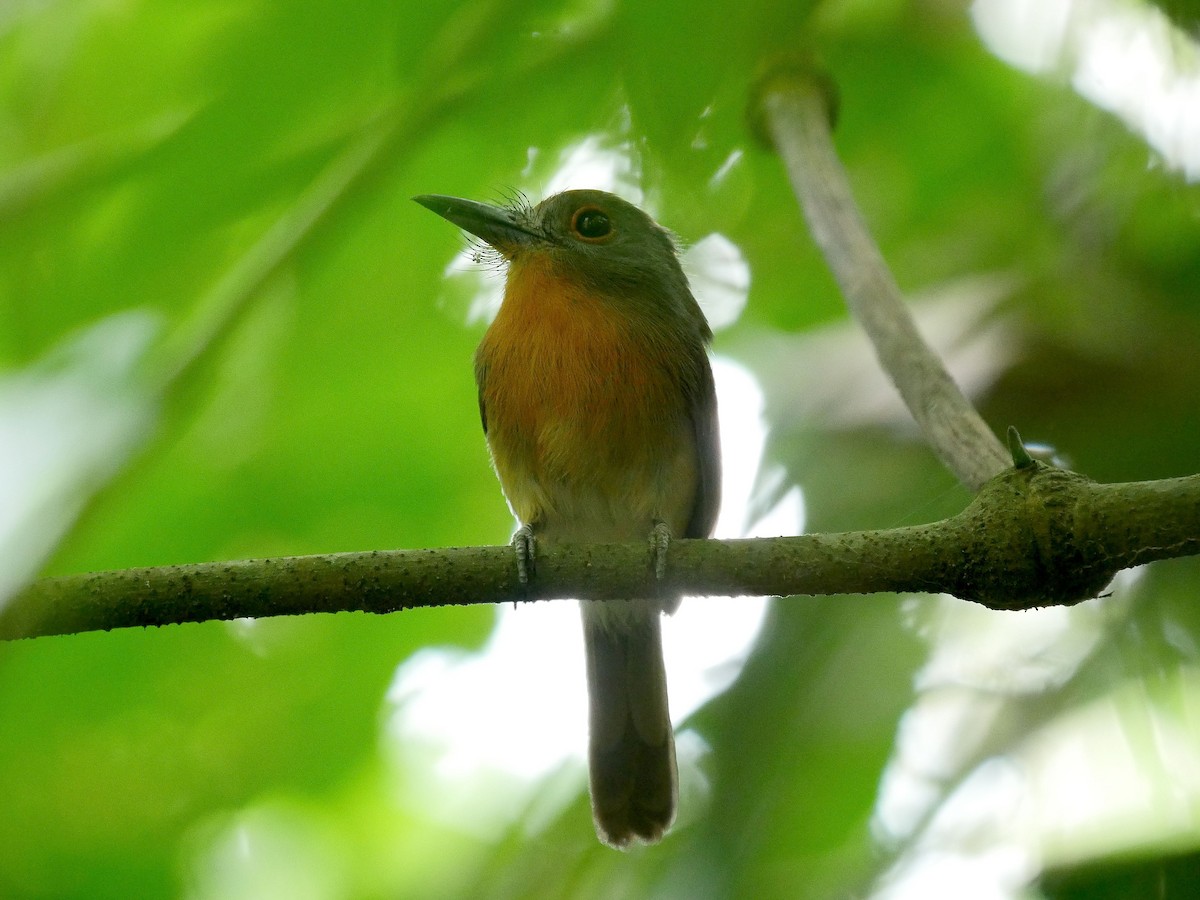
(1032, 536)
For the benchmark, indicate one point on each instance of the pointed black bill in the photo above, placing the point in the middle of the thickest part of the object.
(494, 224)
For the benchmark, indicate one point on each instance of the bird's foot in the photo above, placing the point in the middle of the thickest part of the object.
(525, 547)
(660, 540)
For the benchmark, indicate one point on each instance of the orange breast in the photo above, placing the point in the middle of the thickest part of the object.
(585, 411)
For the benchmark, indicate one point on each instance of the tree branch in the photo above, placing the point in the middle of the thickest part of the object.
(1032, 536)
(793, 110)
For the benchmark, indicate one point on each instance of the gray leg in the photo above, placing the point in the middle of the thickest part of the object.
(525, 546)
(660, 540)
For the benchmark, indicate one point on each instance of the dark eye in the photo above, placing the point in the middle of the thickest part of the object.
(591, 223)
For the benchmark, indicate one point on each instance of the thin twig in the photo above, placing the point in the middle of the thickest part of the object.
(795, 111)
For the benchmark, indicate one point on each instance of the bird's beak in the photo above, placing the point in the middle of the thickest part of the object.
(494, 224)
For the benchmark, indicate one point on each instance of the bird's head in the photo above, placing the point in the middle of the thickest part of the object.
(594, 238)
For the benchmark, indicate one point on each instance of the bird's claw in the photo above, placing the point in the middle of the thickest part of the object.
(525, 547)
(660, 540)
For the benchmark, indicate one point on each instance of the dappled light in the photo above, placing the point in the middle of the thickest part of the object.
(67, 424)
(228, 333)
(1125, 57)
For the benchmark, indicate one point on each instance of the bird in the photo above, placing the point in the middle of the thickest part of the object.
(598, 405)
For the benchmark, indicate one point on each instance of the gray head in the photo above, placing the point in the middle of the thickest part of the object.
(592, 237)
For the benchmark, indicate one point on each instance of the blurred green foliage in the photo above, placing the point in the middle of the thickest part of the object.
(243, 172)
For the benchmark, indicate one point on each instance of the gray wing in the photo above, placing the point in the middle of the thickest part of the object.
(480, 383)
(702, 408)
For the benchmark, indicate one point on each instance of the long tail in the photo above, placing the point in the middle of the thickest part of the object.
(631, 752)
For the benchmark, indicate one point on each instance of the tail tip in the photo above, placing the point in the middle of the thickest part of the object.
(623, 838)
(628, 826)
